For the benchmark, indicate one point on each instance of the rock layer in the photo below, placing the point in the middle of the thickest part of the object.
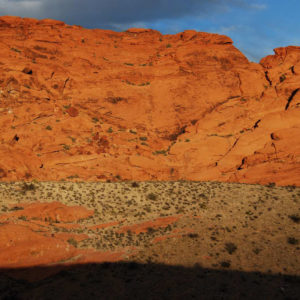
(101, 105)
(27, 238)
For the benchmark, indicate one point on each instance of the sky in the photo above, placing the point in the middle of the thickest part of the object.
(256, 26)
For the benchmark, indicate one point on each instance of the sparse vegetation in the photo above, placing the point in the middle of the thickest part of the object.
(295, 218)
(152, 196)
(132, 131)
(282, 78)
(73, 176)
(15, 50)
(292, 241)
(225, 264)
(66, 147)
(144, 83)
(72, 242)
(163, 152)
(26, 187)
(230, 248)
(196, 235)
(72, 139)
(135, 184)
(130, 83)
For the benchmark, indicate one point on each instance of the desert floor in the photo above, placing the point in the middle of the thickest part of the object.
(177, 239)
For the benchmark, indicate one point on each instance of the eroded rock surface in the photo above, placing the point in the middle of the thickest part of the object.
(103, 105)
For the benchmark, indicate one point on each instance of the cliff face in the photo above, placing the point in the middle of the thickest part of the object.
(102, 105)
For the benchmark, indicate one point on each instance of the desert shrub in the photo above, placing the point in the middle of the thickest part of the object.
(163, 152)
(72, 242)
(28, 187)
(292, 241)
(295, 218)
(66, 147)
(151, 196)
(230, 247)
(282, 78)
(225, 264)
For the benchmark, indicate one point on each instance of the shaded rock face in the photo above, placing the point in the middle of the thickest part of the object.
(103, 105)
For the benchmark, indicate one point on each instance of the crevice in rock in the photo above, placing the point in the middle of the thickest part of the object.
(175, 135)
(66, 81)
(292, 69)
(275, 87)
(16, 138)
(2, 173)
(274, 146)
(234, 144)
(42, 115)
(242, 163)
(212, 108)
(274, 137)
(75, 162)
(27, 71)
(240, 83)
(291, 98)
(256, 123)
(267, 78)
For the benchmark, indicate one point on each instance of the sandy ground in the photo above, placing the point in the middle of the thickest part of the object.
(232, 240)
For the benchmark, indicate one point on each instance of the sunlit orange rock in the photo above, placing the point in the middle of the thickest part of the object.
(27, 239)
(139, 105)
(54, 211)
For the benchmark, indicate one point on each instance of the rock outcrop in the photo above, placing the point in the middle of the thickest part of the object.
(138, 105)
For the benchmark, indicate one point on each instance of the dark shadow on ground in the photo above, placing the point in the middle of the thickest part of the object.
(145, 281)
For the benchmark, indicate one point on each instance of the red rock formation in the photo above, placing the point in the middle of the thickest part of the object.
(98, 105)
(27, 238)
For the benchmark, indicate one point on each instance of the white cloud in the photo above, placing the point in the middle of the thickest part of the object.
(26, 8)
(257, 6)
(128, 25)
(228, 29)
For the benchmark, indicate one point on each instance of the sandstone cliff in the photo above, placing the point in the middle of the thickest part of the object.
(92, 105)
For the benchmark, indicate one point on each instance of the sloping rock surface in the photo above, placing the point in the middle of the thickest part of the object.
(99, 105)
